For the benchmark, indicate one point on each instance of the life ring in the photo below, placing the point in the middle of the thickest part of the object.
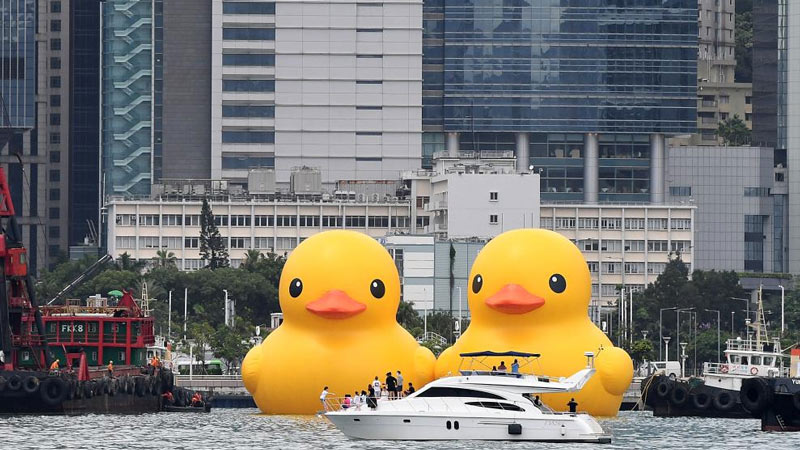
(30, 385)
(88, 391)
(724, 368)
(53, 391)
(754, 371)
(755, 395)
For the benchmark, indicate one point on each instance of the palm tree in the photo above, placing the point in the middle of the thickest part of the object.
(126, 262)
(252, 257)
(165, 258)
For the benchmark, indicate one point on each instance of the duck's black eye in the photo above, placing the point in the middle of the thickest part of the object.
(377, 288)
(557, 283)
(477, 283)
(295, 288)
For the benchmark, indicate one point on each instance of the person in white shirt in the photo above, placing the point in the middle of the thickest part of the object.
(323, 396)
(363, 397)
(376, 384)
(356, 400)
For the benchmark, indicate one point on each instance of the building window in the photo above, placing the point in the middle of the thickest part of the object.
(55, 25)
(171, 220)
(285, 243)
(656, 268)
(55, 138)
(594, 266)
(55, 119)
(55, 175)
(55, 213)
(55, 82)
(55, 100)
(756, 192)
(240, 221)
(248, 137)
(680, 246)
(221, 221)
(546, 223)
(565, 223)
(262, 243)
(247, 162)
(657, 246)
(55, 62)
(126, 219)
(724, 99)
(249, 59)
(608, 290)
(611, 245)
(55, 195)
(191, 242)
(611, 267)
(55, 7)
(748, 100)
(264, 221)
(634, 246)
(680, 191)
(149, 219)
(192, 220)
(310, 221)
(611, 224)
(126, 241)
(588, 245)
(148, 242)
(172, 242)
(248, 34)
(355, 221)
(634, 268)
(248, 85)
(193, 264)
(248, 111)
(55, 44)
(680, 224)
(634, 224)
(657, 224)
(248, 8)
(378, 222)
(588, 223)
(240, 242)
(493, 196)
(336, 222)
(493, 219)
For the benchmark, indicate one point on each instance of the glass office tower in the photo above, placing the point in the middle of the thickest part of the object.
(584, 90)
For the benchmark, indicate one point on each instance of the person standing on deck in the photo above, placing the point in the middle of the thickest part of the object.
(376, 385)
(54, 366)
(323, 396)
(399, 389)
(391, 385)
(110, 369)
(515, 366)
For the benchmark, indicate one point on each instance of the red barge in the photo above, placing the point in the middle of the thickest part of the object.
(83, 338)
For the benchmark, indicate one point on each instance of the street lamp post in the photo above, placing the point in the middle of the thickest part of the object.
(169, 317)
(683, 359)
(718, 333)
(733, 313)
(660, 330)
(678, 324)
(666, 347)
(746, 301)
(459, 310)
(783, 328)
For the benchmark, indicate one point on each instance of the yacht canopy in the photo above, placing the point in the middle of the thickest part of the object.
(488, 353)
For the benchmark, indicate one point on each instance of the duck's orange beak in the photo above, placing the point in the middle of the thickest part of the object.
(514, 299)
(335, 305)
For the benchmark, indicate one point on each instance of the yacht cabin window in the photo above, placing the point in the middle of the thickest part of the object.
(768, 360)
(457, 392)
(744, 361)
(755, 360)
(735, 359)
(495, 405)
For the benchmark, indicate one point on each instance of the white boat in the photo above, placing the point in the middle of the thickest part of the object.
(479, 405)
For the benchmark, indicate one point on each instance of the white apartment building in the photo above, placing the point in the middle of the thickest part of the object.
(143, 227)
(335, 85)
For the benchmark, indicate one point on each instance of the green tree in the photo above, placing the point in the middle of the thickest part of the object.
(251, 260)
(212, 246)
(232, 344)
(165, 258)
(109, 281)
(641, 350)
(734, 131)
(126, 262)
(744, 46)
(53, 280)
(202, 333)
(408, 318)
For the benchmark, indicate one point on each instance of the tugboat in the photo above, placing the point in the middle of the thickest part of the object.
(41, 346)
(716, 393)
(776, 401)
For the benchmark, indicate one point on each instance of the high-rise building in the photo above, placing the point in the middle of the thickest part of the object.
(68, 118)
(789, 14)
(19, 142)
(719, 96)
(584, 91)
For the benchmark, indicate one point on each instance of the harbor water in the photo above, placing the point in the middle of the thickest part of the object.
(247, 429)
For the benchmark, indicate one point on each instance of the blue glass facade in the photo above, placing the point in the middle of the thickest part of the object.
(606, 66)
(128, 91)
(18, 61)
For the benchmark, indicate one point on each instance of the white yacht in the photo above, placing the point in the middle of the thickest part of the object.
(481, 405)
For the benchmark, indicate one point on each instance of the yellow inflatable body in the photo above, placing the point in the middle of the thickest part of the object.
(339, 293)
(529, 292)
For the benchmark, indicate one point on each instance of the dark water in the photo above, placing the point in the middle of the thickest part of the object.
(240, 429)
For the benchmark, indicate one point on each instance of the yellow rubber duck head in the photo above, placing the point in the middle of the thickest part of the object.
(339, 279)
(528, 274)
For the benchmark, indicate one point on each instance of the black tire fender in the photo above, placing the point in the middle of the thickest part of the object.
(140, 386)
(679, 395)
(31, 384)
(53, 391)
(701, 399)
(724, 400)
(14, 383)
(663, 388)
(755, 394)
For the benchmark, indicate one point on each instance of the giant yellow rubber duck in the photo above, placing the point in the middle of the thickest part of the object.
(339, 293)
(529, 292)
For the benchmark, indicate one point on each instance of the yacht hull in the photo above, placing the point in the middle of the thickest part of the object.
(557, 428)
